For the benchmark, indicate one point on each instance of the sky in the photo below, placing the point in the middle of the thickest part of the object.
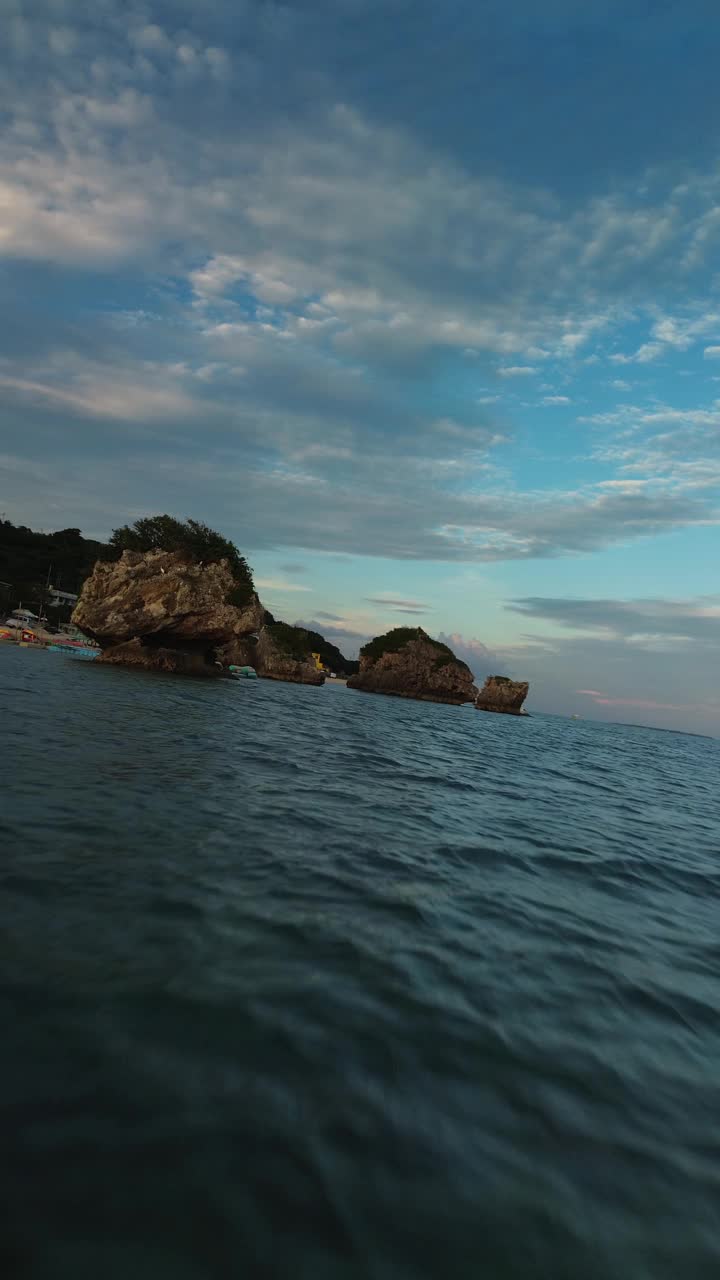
(417, 303)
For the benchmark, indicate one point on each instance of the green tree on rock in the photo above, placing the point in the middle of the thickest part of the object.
(193, 537)
(396, 639)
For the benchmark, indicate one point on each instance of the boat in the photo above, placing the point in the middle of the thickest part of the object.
(243, 673)
(27, 640)
(20, 620)
(20, 628)
(75, 649)
(72, 641)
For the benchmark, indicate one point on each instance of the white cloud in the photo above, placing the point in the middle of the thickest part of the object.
(151, 37)
(126, 110)
(122, 395)
(671, 333)
(224, 270)
(570, 342)
(376, 256)
(654, 623)
(646, 353)
(275, 584)
(712, 353)
(329, 195)
(62, 41)
(397, 603)
(99, 225)
(472, 651)
(681, 332)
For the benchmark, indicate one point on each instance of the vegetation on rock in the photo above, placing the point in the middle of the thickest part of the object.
(290, 640)
(408, 663)
(239, 596)
(396, 639)
(26, 557)
(195, 538)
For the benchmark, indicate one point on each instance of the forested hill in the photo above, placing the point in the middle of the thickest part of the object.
(26, 558)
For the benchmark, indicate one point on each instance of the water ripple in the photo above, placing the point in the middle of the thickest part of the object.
(298, 981)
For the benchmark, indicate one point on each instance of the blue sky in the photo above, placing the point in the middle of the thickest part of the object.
(419, 304)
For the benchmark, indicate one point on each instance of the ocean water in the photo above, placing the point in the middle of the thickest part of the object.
(305, 982)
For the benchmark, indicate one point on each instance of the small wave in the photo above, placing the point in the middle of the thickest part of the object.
(382, 988)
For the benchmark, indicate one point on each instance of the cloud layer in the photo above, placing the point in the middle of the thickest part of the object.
(653, 660)
(283, 306)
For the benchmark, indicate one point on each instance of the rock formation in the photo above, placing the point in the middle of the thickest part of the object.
(157, 657)
(275, 662)
(408, 664)
(502, 694)
(165, 611)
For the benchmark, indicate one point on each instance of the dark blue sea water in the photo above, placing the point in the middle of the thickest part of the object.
(308, 983)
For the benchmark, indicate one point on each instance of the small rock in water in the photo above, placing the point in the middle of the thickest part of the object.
(499, 693)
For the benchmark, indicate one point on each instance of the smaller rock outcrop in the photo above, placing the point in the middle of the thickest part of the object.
(499, 693)
(407, 663)
(282, 656)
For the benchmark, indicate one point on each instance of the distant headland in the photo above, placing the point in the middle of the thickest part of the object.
(175, 596)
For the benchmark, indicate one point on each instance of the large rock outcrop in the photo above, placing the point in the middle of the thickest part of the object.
(499, 693)
(164, 611)
(406, 663)
(163, 594)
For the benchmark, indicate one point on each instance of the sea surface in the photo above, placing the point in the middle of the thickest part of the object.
(310, 983)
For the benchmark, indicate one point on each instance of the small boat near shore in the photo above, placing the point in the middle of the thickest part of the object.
(75, 650)
(23, 639)
(243, 673)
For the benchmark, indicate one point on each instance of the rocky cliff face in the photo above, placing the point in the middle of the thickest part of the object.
(163, 611)
(504, 695)
(276, 664)
(184, 661)
(408, 664)
(162, 594)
